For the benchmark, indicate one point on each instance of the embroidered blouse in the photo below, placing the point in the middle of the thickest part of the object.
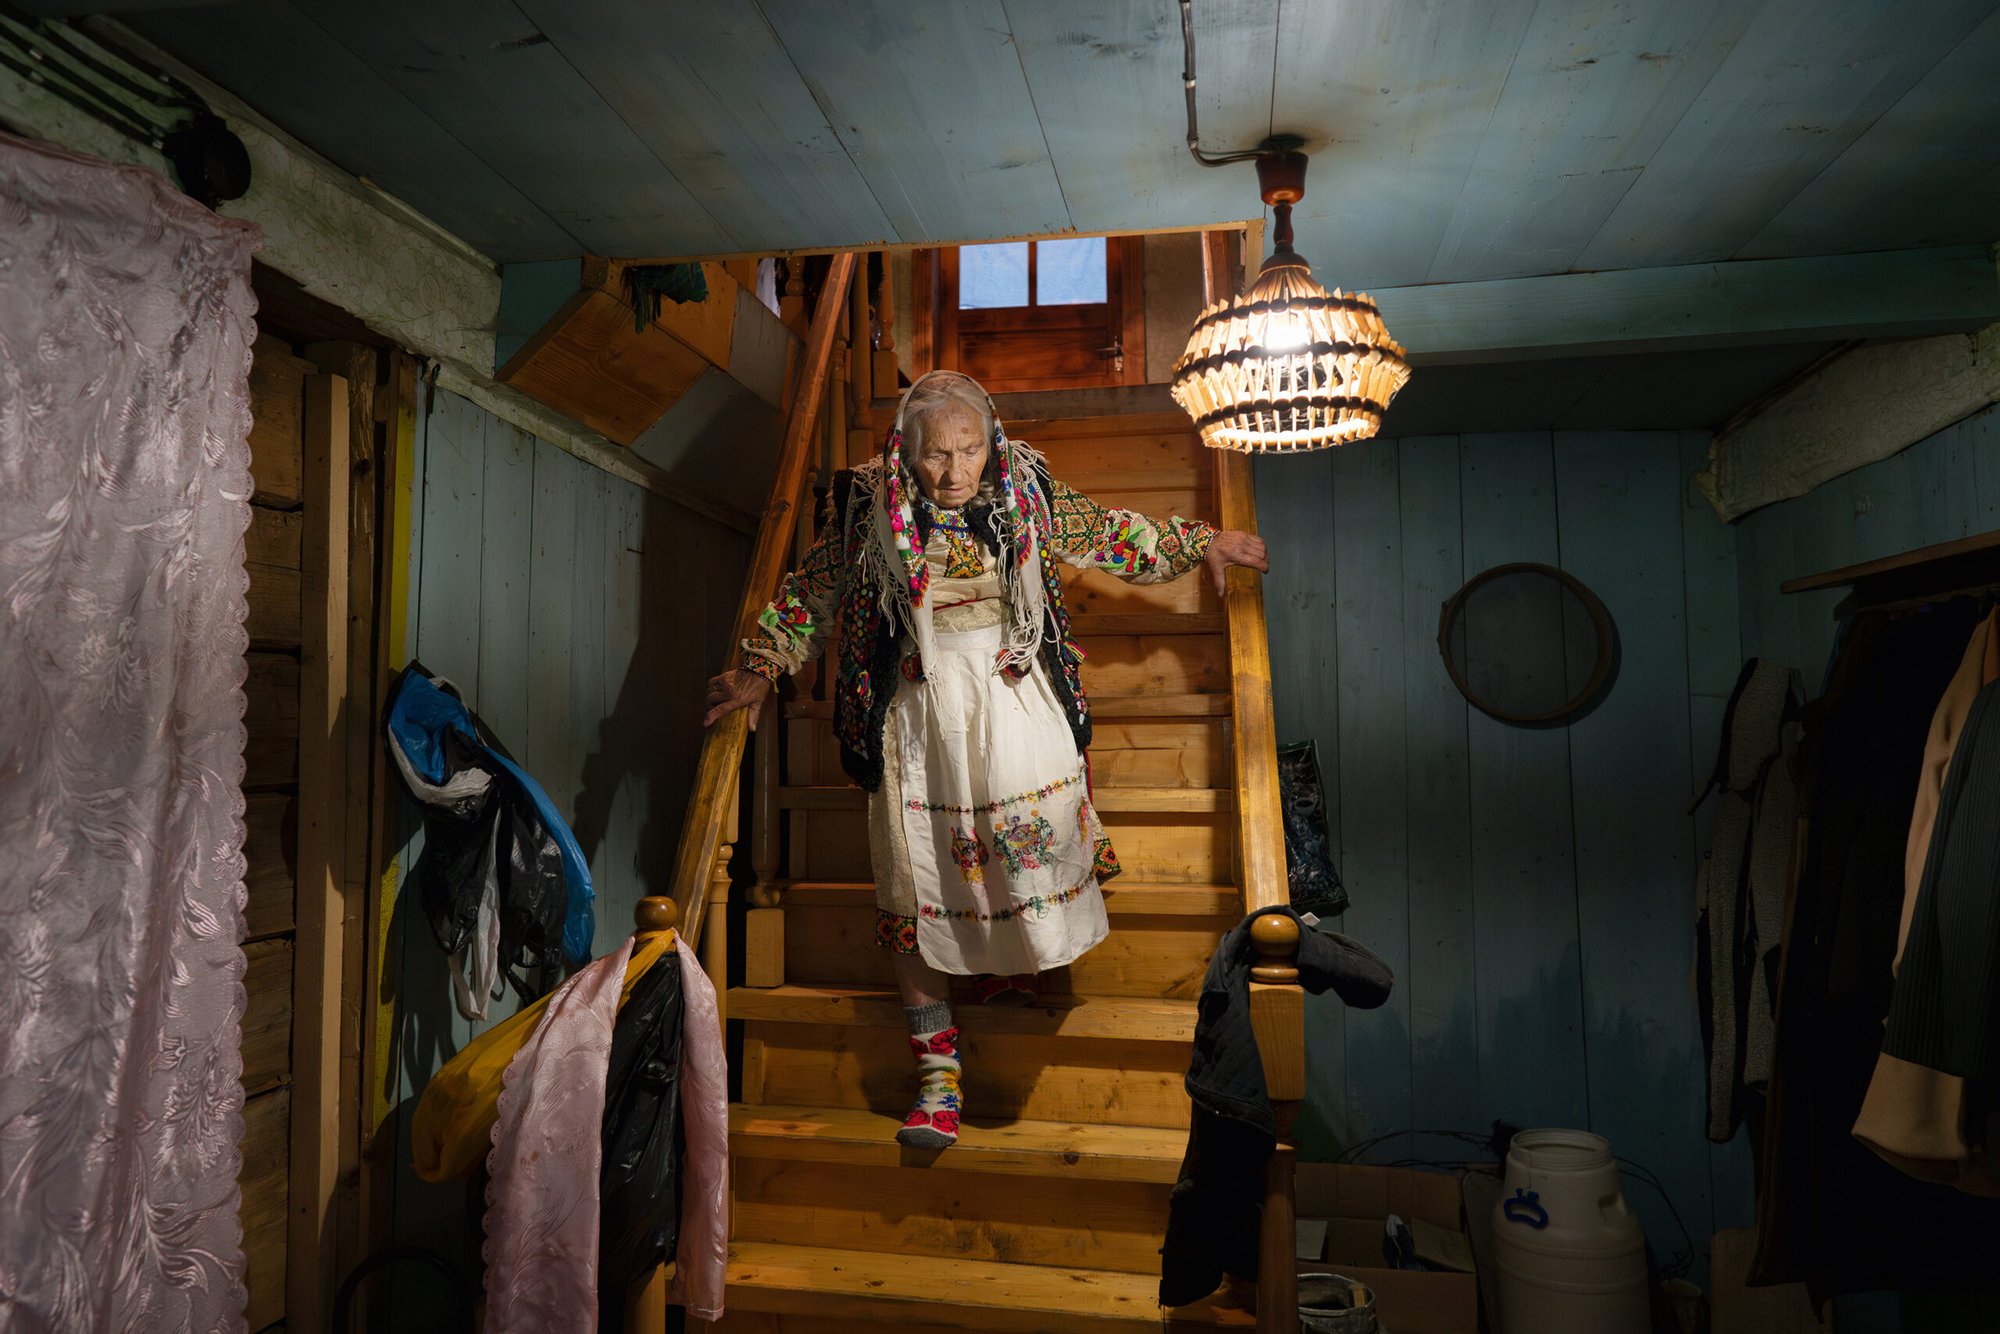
(1084, 535)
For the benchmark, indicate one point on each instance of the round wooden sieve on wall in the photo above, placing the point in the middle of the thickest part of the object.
(1528, 644)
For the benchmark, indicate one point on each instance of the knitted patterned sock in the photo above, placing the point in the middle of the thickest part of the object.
(933, 1121)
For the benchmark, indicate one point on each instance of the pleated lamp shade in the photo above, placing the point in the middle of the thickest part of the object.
(1289, 366)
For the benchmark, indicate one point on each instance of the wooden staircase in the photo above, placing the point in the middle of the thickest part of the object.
(1048, 1213)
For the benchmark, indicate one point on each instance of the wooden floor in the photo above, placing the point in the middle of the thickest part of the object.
(1048, 1213)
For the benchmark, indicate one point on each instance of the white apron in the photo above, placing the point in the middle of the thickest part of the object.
(998, 838)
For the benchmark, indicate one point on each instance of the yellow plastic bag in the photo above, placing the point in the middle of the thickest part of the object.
(453, 1127)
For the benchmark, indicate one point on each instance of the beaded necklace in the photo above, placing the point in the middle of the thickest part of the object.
(961, 552)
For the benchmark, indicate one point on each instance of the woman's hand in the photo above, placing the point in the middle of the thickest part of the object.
(1231, 547)
(733, 690)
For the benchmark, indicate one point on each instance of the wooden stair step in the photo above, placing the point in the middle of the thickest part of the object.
(1159, 706)
(1120, 897)
(1161, 800)
(1120, 1018)
(960, 1294)
(1020, 1148)
(1086, 624)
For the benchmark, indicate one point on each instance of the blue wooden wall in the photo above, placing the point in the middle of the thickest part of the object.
(1943, 487)
(579, 615)
(1532, 888)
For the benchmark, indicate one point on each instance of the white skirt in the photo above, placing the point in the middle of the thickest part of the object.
(998, 841)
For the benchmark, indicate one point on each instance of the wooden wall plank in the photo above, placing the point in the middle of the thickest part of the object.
(265, 1187)
(272, 619)
(277, 387)
(1824, 74)
(1083, 56)
(267, 1014)
(273, 537)
(1531, 1051)
(320, 909)
(1372, 762)
(447, 640)
(270, 853)
(587, 703)
(506, 555)
(517, 102)
(1419, 76)
(860, 59)
(549, 749)
(623, 735)
(1620, 528)
(677, 79)
(1585, 106)
(1928, 167)
(1444, 1034)
(271, 719)
(1715, 657)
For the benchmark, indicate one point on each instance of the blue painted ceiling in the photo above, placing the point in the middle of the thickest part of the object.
(1451, 140)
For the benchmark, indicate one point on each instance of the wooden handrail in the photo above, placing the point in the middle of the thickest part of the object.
(1260, 830)
(713, 799)
(1277, 1004)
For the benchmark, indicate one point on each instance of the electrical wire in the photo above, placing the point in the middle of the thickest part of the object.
(1187, 82)
(1676, 1267)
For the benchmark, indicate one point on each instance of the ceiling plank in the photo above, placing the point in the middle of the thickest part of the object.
(1405, 89)
(492, 80)
(931, 104)
(1926, 173)
(1593, 92)
(715, 96)
(289, 69)
(1106, 79)
(1890, 294)
(1807, 78)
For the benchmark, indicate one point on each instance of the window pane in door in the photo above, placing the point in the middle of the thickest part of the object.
(1070, 273)
(993, 275)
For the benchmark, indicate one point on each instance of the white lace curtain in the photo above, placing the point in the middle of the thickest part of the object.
(125, 332)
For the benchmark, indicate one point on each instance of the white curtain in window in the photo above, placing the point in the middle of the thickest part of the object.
(125, 332)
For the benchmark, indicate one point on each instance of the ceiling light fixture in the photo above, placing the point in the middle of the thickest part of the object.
(1287, 366)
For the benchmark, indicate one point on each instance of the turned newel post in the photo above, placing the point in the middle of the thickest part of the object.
(1277, 1016)
(646, 1299)
(715, 922)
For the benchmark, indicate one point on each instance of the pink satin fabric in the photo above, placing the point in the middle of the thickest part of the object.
(702, 1258)
(125, 334)
(542, 1201)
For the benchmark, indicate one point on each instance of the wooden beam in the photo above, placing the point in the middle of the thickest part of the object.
(1893, 294)
(1873, 402)
(322, 889)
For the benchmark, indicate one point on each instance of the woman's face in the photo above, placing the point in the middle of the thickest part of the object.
(952, 459)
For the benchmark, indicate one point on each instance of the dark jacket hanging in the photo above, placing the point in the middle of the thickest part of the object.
(1214, 1208)
(1830, 1212)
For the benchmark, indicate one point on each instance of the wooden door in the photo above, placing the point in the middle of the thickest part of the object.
(1065, 313)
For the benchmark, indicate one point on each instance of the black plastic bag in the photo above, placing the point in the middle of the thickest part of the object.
(639, 1181)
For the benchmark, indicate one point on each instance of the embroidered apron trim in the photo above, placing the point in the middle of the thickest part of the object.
(1041, 793)
(1039, 905)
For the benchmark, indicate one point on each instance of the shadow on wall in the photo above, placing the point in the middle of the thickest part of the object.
(719, 440)
(579, 616)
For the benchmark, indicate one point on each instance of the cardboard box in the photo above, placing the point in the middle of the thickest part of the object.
(1355, 1202)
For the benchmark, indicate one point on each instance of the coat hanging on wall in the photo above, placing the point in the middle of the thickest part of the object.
(125, 332)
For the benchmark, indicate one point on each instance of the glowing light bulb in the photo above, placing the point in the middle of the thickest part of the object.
(1284, 332)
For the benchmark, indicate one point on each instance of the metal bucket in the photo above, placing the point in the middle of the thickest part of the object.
(1335, 1304)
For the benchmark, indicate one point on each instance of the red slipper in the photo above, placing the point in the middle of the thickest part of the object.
(994, 989)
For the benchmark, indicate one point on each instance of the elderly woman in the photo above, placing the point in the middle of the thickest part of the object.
(958, 702)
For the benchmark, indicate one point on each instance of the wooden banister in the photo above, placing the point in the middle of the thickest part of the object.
(1277, 1004)
(712, 802)
(1260, 829)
